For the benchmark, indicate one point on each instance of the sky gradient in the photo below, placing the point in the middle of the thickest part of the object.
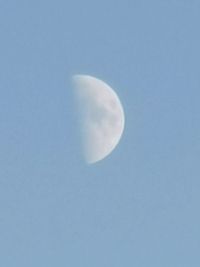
(138, 207)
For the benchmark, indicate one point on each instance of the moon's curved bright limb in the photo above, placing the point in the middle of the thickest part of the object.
(102, 117)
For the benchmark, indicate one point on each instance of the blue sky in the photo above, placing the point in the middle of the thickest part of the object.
(138, 207)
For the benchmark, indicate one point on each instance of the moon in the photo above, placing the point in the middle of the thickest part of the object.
(101, 117)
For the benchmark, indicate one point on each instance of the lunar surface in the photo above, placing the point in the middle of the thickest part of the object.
(101, 117)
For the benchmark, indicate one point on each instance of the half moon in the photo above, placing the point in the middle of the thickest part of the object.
(102, 117)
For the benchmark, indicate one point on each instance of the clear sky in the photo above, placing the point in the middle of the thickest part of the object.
(138, 207)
